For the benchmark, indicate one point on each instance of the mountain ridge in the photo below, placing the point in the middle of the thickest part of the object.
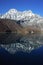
(28, 17)
(18, 15)
(28, 24)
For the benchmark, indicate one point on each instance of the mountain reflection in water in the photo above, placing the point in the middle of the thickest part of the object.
(15, 42)
(8, 38)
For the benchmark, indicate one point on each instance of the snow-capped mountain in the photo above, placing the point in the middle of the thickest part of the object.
(28, 17)
(25, 18)
(18, 15)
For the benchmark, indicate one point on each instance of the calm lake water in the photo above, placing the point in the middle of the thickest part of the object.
(22, 58)
(35, 57)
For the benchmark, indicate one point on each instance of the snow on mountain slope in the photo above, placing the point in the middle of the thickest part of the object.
(26, 18)
(18, 15)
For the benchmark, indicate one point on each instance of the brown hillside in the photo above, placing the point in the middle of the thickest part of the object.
(11, 24)
(6, 25)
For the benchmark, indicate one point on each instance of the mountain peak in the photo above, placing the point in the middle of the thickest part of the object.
(12, 11)
(27, 11)
(19, 15)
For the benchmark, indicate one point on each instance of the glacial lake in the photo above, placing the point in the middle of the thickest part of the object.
(21, 56)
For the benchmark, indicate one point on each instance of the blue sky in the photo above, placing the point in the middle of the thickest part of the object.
(35, 5)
